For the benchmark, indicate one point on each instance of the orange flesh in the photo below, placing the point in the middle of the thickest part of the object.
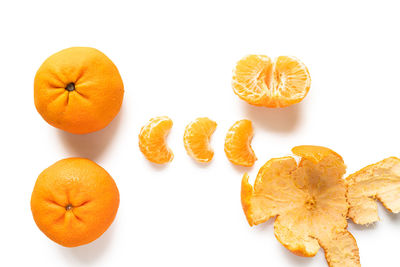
(237, 144)
(152, 140)
(197, 139)
(261, 82)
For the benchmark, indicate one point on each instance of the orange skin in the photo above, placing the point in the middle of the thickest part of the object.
(74, 201)
(308, 201)
(78, 90)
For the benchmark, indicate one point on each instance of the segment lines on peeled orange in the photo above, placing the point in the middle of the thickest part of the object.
(197, 139)
(237, 144)
(379, 181)
(309, 201)
(152, 140)
(261, 82)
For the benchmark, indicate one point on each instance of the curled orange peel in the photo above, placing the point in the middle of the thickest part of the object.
(315, 153)
(309, 202)
(379, 181)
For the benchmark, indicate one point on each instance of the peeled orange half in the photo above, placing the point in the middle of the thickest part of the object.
(197, 139)
(152, 140)
(262, 82)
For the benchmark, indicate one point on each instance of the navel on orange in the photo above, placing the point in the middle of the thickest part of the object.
(78, 90)
(152, 140)
(74, 201)
(237, 144)
(197, 139)
(261, 82)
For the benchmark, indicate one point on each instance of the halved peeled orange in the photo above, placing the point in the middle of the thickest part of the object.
(309, 202)
(260, 81)
(237, 144)
(197, 139)
(152, 140)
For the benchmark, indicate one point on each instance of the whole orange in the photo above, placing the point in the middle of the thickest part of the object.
(79, 90)
(74, 201)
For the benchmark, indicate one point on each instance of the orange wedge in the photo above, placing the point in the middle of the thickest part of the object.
(197, 139)
(152, 140)
(237, 144)
(261, 82)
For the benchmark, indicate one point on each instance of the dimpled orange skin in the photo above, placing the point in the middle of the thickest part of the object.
(74, 201)
(78, 90)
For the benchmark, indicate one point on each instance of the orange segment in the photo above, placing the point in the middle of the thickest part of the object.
(197, 139)
(261, 82)
(309, 202)
(152, 140)
(237, 144)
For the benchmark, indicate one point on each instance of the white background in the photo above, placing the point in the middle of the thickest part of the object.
(176, 59)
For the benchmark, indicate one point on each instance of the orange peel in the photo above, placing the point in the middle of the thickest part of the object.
(262, 82)
(197, 139)
(152, 140)
(237, 147)
(309, 202)
(379, 181)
